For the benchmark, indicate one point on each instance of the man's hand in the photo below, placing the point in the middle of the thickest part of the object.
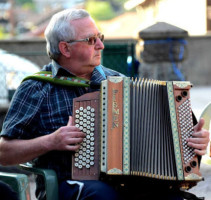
(200, 138)
(15, 151)
(67, 137)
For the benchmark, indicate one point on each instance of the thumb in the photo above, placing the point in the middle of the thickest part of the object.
(200, 124)
(70, 121)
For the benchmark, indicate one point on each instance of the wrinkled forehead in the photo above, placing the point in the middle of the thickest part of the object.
(85, 27)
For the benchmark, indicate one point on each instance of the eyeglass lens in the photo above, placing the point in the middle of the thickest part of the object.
(92, 40)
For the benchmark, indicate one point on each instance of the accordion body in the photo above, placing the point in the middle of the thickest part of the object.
(136, 128)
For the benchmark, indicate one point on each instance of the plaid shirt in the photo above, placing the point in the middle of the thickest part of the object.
(39, 108)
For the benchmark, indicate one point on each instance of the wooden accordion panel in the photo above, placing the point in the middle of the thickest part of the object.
(141, 129)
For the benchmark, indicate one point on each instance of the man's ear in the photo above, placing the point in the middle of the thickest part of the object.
(64, 49)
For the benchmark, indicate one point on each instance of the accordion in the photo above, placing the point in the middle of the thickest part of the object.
(136, 128)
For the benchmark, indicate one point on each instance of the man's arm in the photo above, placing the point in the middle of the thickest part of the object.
(16, 151)
(200, 138)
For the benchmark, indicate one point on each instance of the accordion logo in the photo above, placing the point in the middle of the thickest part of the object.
(115, 110)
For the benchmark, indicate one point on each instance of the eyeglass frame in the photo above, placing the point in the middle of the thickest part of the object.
(87, 39)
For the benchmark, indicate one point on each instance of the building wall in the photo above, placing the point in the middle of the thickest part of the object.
(34, 50)
(190, 15)
(197, 66)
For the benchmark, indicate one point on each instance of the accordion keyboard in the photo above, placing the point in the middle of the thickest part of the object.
(85, 118)
(185, 123)
(85, 161)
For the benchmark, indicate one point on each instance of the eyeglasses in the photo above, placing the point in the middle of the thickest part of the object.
(90, 40)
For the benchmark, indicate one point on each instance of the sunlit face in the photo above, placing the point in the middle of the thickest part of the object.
(85, 57)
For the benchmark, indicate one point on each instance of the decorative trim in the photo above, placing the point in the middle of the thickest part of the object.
(115, 171)
(104, 99)
(193, 177)
(175, 131)
(126, 126)
(181, 84)
(60, 80)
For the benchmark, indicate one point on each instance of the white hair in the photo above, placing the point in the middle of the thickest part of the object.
(60, 29)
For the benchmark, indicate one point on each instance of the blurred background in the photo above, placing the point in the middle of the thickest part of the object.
(158, 39)
(154, 39)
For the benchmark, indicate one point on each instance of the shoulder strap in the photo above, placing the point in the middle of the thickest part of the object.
(46, 76)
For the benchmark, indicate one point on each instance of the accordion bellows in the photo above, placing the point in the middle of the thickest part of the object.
(136, 128)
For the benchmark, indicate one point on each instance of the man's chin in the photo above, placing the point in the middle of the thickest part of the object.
(96, 64)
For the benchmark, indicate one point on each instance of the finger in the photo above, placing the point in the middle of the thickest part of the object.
(200, 124)
(74, 141)
(70, 121)
(200, 152)
(69, 129)
(198, 146)
(77, 135)
(72, 147)
(197, 140)
(202, 134)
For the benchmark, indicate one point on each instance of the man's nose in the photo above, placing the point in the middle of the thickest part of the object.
(99, 44)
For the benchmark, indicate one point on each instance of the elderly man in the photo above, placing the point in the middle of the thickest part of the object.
(38, 126)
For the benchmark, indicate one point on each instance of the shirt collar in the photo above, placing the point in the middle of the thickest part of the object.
(97, 76)
(58, 70)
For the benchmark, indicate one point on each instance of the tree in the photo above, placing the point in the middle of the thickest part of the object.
(27, 4)
(22, 2)
(117, 5)
(100, 10)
